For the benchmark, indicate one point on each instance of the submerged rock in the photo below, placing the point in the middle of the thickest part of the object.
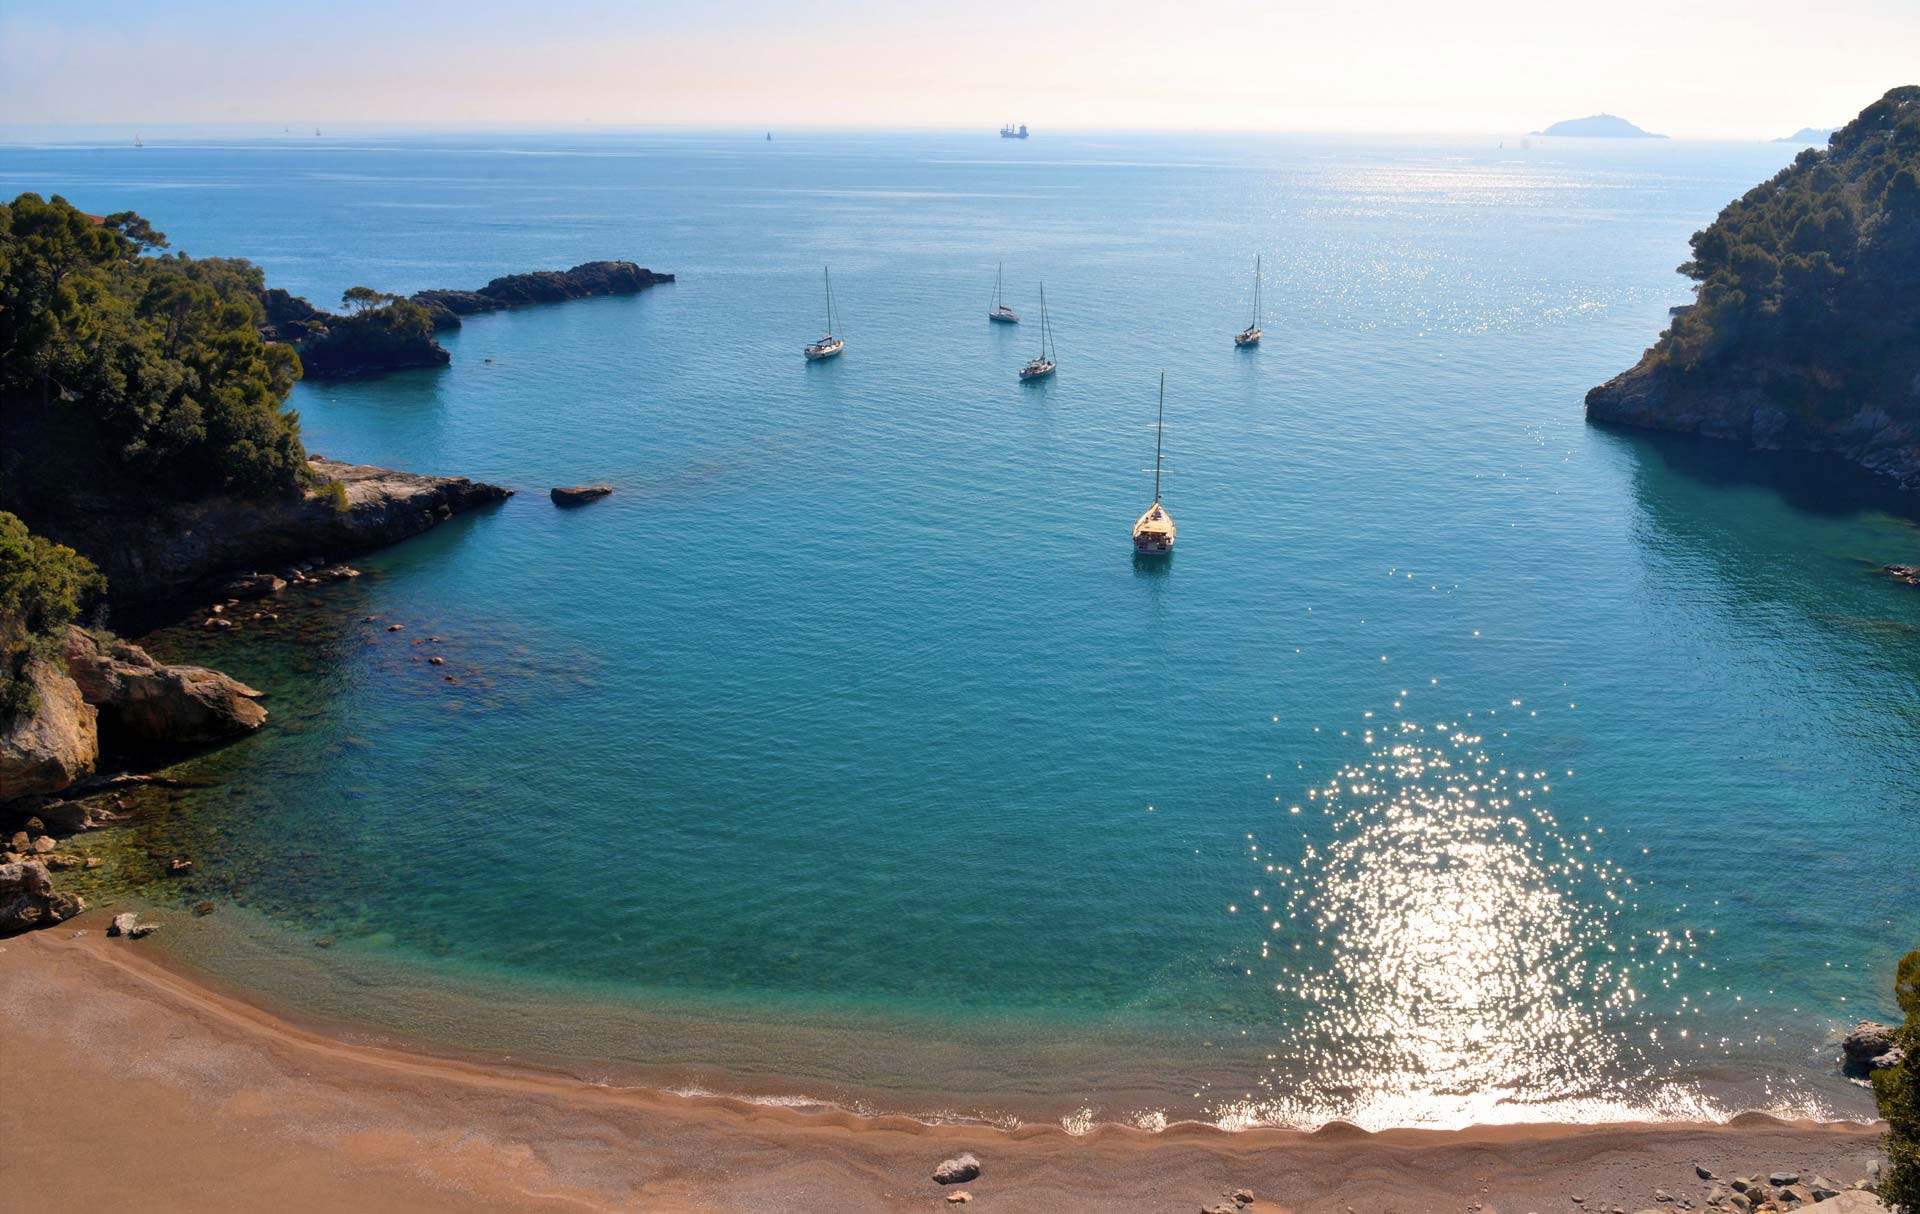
(957, 1170)
(578, 495)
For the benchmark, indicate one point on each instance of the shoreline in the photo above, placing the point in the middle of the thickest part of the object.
(119, 1046)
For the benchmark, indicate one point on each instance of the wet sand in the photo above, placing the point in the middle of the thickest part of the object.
(129, 1085)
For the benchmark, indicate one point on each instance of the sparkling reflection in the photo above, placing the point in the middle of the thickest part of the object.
(1441, 946)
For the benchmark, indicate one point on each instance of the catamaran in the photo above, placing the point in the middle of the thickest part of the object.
(1041, 365)
(1250, 336)
(1153, 533)
(829, 345)
(1000, 312)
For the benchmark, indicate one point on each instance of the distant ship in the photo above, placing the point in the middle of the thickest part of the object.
(1000, 312)
(137, 143)
(1010, 131)
(769, 136)
(828, 346)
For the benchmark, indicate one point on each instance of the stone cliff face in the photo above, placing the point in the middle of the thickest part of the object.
(156, 554)
(584, 281)
(1742, 405)
(55, 744)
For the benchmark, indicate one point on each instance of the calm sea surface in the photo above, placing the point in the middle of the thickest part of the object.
(1466, 763)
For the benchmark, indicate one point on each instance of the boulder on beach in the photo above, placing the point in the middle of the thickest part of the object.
(28, 899)
(578, 495)
(957, 1171)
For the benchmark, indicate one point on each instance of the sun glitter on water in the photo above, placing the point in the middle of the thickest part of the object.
(1444, 952)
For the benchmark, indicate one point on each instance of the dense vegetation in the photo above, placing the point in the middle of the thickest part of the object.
(130, 372)
(43, 586)
(1816, 272)
(1898, 1093)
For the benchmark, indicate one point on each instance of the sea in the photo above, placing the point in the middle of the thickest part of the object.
(1466, 763)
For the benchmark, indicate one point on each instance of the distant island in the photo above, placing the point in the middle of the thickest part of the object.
(1805, 333)
(1809, 134)
(1600, 126)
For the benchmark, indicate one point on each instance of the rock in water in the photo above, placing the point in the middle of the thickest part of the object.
(250, 586)
(1868, 1045)
(578, 495)
(51, 747)
(957, 1171)
(123, 924)
(143, 704)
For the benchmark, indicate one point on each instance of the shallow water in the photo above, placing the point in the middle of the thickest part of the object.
(1466, 763)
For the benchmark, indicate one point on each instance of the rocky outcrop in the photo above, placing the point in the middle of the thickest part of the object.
(54, 743)
(578, 495)
(155, 555)
(353, 347)
(28, 899)
(585, 281)
(144, 705)
(1744, 406)
(289, 317)
(1871, 1047)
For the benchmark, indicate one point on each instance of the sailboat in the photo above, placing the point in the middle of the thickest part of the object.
(1041, 365)
(1000, 311)
(828, 346)
(1153, 533)
(136, 140)
(1250, 336)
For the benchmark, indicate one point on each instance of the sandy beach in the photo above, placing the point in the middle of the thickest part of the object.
(133, 1086)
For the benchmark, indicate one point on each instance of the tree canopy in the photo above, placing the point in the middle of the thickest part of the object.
(131, 373)
(1819, 267)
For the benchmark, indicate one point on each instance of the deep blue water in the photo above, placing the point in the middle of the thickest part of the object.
(849, 707)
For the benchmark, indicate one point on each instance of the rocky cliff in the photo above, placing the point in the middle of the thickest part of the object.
(1804, 335)
(1745, 405)
(156, 554)
(584, 281)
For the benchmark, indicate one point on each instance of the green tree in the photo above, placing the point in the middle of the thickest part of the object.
(43, 585)
(1897, 1091)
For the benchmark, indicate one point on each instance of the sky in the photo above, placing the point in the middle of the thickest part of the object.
(1718, 69)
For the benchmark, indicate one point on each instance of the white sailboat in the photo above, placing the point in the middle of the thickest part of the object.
(1153, 531)
(1000, 312)
(828, 346)
(1041, 365)
(1250, 336)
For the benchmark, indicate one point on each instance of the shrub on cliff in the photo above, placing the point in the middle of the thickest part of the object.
(123, 374)
(43, 586)
(1818, 268)
(1897, 1091)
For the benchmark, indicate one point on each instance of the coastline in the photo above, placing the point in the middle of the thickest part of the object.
(126, 1052)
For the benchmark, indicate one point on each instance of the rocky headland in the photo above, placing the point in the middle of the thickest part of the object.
(159, 557)
(585, 281)
(1805, 331)
(390, 333)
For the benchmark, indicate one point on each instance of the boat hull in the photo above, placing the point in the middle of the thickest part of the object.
(1004, 318)
(816, 354)
(1028, 374)
(1249, 338)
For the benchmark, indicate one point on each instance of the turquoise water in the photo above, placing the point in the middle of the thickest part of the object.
(1466, 763)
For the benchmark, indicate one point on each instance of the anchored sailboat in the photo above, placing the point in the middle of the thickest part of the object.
(1153, 533)
(1041, 365)
(829, 345)
(1250, 336)
(1000, 312)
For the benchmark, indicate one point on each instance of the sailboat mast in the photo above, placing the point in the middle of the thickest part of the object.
(1159, 428)
(1256, 292)
(827, 276)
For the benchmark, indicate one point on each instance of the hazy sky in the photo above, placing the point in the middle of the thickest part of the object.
(1701, 68)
